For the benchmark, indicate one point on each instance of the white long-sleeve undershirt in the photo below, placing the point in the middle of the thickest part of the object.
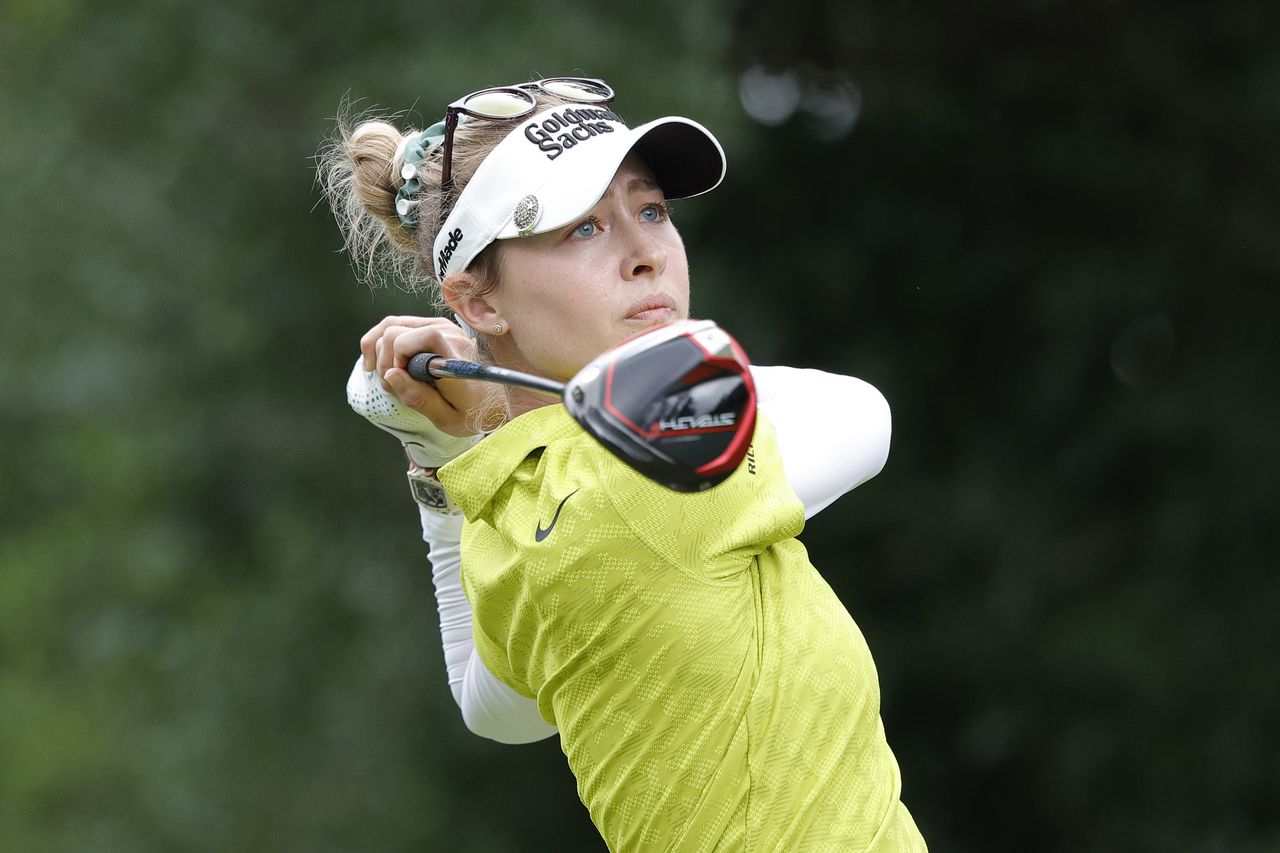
(833, 434)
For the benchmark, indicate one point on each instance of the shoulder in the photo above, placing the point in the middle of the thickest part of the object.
(806, 388)
(833, 431)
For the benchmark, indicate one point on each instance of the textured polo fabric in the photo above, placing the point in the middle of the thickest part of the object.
(711, 691)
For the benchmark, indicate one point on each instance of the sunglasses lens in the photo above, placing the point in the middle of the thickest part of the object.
(498, 104)
(582, 91)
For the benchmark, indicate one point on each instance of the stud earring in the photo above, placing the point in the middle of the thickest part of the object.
(497, 328)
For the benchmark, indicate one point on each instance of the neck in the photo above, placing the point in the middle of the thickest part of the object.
(518, 400)
(521, 400)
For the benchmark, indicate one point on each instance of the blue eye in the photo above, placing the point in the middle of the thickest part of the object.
(653, 213)
(587, 229)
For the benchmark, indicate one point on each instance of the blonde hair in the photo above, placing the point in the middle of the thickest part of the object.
(359, 170)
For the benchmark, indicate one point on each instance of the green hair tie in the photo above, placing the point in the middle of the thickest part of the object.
(416, 149)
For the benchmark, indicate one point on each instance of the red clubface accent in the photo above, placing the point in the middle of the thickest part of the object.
(737, 449)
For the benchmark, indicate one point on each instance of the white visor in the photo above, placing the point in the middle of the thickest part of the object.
(553, 168)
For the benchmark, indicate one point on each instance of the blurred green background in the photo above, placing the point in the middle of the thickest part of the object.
(1049, 232)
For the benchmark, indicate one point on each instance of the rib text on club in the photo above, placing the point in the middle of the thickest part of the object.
(688, 422)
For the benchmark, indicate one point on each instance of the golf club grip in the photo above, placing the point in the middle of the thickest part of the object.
(419, 367)
(428, 367)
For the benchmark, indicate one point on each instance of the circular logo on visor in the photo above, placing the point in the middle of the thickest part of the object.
(527, 212)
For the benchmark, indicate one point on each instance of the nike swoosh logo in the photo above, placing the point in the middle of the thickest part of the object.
(541, 534)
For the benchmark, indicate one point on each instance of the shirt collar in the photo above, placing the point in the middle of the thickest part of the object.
(475, 477)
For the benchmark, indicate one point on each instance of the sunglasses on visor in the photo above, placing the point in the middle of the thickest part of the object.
(506, 103)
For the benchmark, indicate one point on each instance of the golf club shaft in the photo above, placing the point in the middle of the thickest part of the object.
(427, 367)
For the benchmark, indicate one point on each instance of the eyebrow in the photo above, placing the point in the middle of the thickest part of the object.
(634, 185)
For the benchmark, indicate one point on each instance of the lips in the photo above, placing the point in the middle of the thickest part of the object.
(652, 307)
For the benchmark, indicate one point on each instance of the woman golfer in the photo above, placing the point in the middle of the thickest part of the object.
(708, 688)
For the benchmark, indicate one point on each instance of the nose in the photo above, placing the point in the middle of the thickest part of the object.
(644, 256)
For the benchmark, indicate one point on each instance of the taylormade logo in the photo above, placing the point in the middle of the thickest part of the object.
(442, 261)
(689, 422)
(562, 130)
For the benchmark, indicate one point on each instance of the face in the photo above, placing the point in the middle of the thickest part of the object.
(568, 295)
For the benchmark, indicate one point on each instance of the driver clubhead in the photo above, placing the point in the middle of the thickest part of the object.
(677, 403)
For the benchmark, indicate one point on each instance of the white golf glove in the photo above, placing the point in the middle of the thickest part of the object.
(425, 444)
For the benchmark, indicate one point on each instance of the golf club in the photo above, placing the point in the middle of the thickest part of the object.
(676, 403)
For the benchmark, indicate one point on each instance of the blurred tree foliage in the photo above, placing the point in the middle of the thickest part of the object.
(1046, 230)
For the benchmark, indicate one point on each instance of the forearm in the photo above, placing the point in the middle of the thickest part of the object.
(489, 707)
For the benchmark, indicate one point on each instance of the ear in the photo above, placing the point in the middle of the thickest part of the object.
(478, 312)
